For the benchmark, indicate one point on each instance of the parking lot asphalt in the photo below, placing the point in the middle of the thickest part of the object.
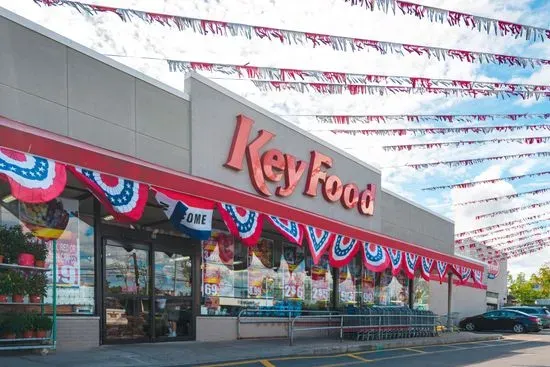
(514, 350)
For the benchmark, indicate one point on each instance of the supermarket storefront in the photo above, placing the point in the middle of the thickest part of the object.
(175, 211)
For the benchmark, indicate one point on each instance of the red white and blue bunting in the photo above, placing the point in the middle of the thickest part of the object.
(292, 231)
(478, 277)
(410, 264)
(426, 266)
(466, 274)
(396, 260)
(243, 223)
(32, 179)
(441, 267)
(319, 240)
(343, 250)
(375, 257)
(124, 199)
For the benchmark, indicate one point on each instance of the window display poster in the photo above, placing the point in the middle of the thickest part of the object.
(217, 275)
(346, 286)
(382, 292)
(68, 261)
(320, 286)
(367, 285)
(261, 276)
(293, 266)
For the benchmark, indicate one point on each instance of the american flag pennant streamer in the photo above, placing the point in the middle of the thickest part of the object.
(516, 234)
(465, 185)
(426, 266)
(410, 262)
(124, 199)
(188, 214)
(442, 130)
(440, 144)
(453, 18)
(471, 162)
(386, 90)
(505, 226)
(504, 197)
(32, 179)
(513, 210)
(512, 228)
(318, 240)
(285, 74)
(243, 223)
(441, 267)
(292, 37)
(518, 239)
(383, 119)
(375, 257)
(343, 250)
(396, 260)
(291, 230)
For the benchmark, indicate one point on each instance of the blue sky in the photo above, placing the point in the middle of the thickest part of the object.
(106, 34)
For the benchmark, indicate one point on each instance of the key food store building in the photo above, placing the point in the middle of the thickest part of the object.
(173, 210)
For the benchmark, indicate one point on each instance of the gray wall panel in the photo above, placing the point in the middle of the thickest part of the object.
(213, 116)
(162, 115)
(100, 90)
(162, 153)
(32, 62)
(101, 133)
(32, 110)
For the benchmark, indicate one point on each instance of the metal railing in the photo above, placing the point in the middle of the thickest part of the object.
(372, 326)
(263, 316)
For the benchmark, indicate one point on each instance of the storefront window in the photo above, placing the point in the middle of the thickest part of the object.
(318, 284)
(349, 284)
(69, 221)
(421, 294)
(391, 290)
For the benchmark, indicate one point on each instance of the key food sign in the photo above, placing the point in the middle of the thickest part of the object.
(286, 171)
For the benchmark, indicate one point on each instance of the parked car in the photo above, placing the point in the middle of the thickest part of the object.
(541, 312)
(517, 321)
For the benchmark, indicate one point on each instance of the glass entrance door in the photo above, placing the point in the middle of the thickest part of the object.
(147, 293)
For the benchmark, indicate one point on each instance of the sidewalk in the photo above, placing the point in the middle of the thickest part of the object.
(196, 353)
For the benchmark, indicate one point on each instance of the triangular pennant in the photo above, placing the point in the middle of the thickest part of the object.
(396, 260)
(244, 223)
(426, 266)
(318, 240)
(441, 269)
(32, 179)
(189, 214)
(410, 263)
(343, 250)
(124, 199)
(375, 257)
(291, 230)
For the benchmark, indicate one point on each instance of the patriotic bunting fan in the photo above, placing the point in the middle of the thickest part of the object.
(318, 240)
(291, 230)
(441, 269)
(124, 199)
(410, 263)
(32, 179)
(343, 250)
(375, 257)
(396, 260)
(466, 274)
(426, 266)
(478, 277)
(244, 223)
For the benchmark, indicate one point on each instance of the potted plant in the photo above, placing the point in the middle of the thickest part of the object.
(19, 286)
(5, 286)
(11, 325)
(28, 320)
(42, 325)
(40, 251)
(36, 286)
(17, 249)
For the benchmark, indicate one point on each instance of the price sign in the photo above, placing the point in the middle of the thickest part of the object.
(320, 294)
(211, 290)
(254, 291)
(294, 291)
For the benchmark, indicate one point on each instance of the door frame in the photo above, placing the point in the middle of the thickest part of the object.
(154, 242)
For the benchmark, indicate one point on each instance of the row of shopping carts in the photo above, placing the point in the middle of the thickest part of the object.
(380, 323)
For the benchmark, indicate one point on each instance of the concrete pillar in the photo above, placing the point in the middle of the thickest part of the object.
(449, 301)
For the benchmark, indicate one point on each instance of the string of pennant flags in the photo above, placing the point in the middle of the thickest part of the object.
(512, 210)
(440, 144)
(504, 197)
(294, 37)
(455, 19)
(504, 226)
(465, 185)
(292, 74)
(39, 180)
(382, 119)
(487, 242)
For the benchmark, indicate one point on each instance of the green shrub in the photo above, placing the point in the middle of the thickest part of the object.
(36, 284)
(18, 282)
(43, 322)
(6, 286)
